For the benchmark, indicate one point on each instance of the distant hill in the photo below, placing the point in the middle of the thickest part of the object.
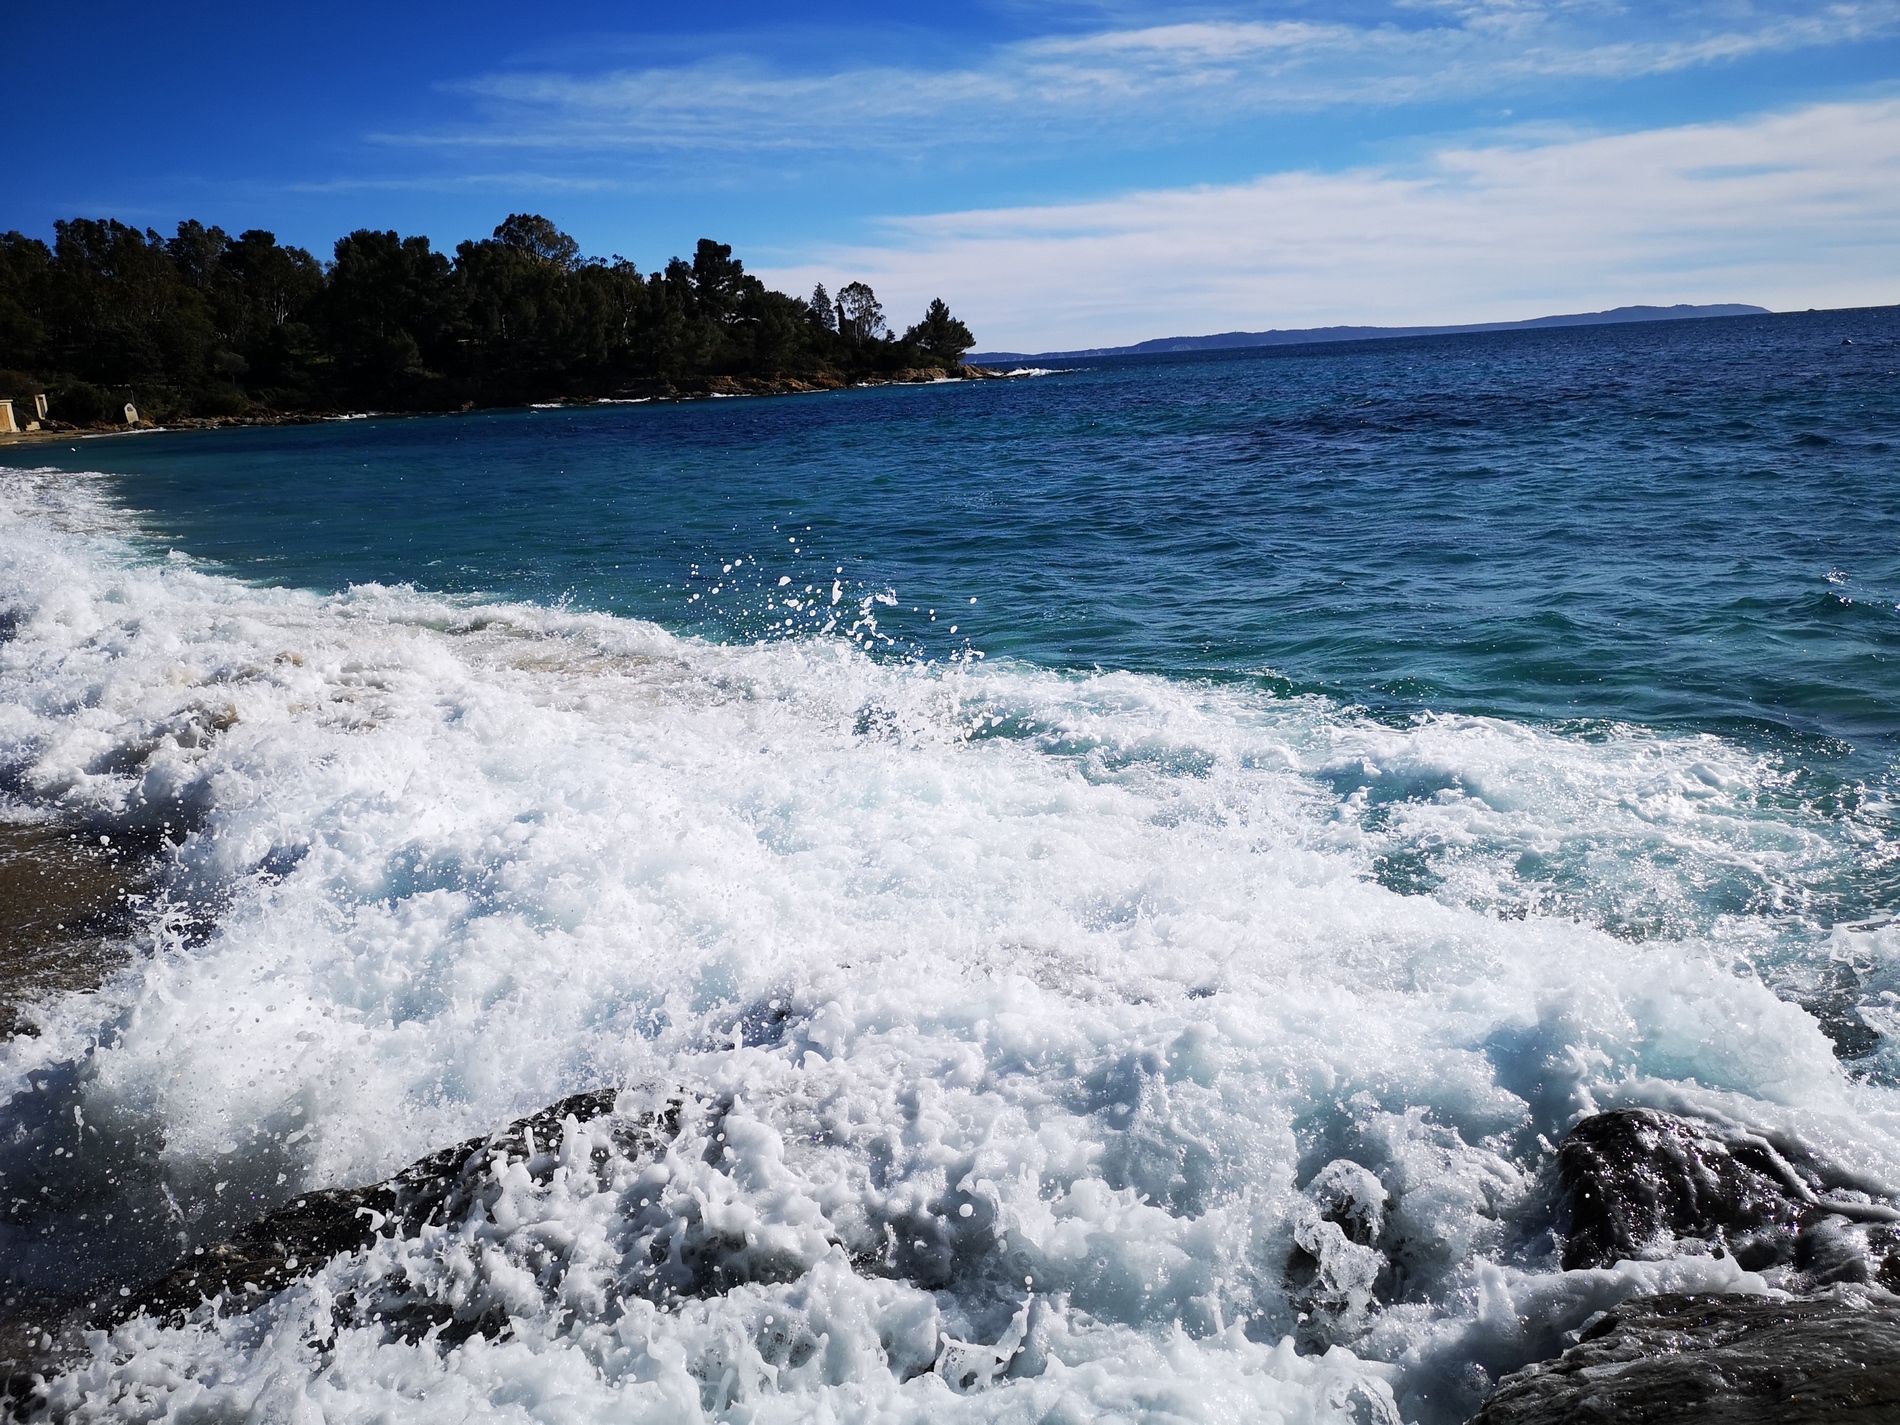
(1221, 341)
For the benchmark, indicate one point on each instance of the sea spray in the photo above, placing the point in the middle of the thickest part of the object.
(1055, 994)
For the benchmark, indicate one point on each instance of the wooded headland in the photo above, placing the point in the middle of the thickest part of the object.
(203, 325)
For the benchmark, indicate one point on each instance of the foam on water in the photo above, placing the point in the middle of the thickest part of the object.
(1069, 999)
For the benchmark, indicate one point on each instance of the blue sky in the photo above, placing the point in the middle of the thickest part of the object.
(1064, 174)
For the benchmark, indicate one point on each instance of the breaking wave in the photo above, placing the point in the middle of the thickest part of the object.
(1037, 1046)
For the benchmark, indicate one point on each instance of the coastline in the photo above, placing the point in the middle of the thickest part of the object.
(461, 872)
(70, 898)
(689, 388)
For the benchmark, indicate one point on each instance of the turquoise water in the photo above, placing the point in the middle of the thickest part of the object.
(1047, 834)
(1690, 526)
(1692, 523)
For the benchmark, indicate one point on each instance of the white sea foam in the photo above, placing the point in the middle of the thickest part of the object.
(1069, 987)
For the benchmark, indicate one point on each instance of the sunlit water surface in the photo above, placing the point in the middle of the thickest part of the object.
(1039, 826)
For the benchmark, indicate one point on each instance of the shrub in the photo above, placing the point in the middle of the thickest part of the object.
(80, 403)
(18, 386)
(220, 400)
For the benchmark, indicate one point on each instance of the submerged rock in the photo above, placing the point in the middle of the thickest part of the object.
(1723, 1360)
(69, 898)
(1336, 1263)
(1647, 1185)
(300, 1237)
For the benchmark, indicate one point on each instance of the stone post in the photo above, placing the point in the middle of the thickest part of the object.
(7, 427)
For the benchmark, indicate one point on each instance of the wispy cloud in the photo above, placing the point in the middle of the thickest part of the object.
(514, 182)
(1790, 209)
(1158, 80)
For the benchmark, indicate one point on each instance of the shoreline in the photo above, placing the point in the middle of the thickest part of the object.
(657, 391)
(1289, 865)
(70, 898)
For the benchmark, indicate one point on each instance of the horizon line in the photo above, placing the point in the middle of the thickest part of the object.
(1627, 315)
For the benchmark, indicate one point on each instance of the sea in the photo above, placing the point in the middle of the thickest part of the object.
(1038, 838)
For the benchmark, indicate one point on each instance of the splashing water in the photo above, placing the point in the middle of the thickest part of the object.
(1042, 1042)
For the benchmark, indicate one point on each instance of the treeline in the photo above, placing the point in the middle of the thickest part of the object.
(205, 324)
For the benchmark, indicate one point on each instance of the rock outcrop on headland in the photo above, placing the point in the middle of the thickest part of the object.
(691, 388)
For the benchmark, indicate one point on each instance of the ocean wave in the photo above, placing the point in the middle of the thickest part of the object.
(1116, 963)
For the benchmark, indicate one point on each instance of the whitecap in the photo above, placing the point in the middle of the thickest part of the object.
(1119, 965)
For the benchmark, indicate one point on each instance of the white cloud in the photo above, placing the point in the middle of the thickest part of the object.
(1794, 209)
(1132, 81)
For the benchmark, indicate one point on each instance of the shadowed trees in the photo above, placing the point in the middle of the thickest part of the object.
(120, 311)
(941, 334)
(202, 323)
(25, 272)
(860, 317)
(390, 318)
(822, 311)
(275, 293)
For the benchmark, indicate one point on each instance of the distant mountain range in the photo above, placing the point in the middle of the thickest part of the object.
(1221, 341)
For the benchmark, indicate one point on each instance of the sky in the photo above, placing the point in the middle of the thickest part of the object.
(1063, 174)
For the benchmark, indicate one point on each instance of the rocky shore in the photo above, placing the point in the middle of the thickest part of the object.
(1822, 1343)
(1805, 1327)
(686, 388)
(1816, 1337)
(690, 388)
(1809, 1249)
(1829, 1359)
(1644, 1184)
(41, 1339)
(70, 898)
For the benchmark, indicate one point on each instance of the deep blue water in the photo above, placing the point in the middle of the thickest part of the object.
(1671, 523)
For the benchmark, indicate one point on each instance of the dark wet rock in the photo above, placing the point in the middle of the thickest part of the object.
(689, 388)
(67, 903)
(251, 1267)
(1719, 1360)
(300, 1237)
(1832, 1250)
(1838, 996)
(1336, 1263)
(1644, 1185)
(1641, 1184)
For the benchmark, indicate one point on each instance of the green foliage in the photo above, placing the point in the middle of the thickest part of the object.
(222, 399)
(205, 324)
(822, 311)
(18, 386)
(860, 317)
(388, 316)
(25, 273)
(120, 310)
(534, 235)
(941, 334)
(79, 403)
